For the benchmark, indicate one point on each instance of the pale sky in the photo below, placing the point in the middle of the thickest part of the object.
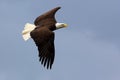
(88, 49)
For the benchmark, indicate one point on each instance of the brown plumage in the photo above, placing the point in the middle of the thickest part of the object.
(44, 37)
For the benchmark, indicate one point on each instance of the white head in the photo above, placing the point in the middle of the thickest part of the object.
(60, 25)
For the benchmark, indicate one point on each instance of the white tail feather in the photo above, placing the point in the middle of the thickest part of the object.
(27, 29)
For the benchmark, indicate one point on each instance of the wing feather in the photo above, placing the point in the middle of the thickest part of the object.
(44, 40)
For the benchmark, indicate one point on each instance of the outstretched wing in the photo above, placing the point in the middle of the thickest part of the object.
(44, 40)
(46, 18)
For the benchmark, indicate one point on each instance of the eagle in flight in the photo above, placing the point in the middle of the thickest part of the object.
(42, 34)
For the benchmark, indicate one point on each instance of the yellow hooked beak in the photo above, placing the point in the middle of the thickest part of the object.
(65, 25)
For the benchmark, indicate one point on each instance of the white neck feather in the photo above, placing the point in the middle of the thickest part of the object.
(60, 25)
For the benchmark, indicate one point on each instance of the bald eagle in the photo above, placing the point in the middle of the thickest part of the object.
(42, 34)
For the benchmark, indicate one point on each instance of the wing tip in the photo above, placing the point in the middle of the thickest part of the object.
(46, 63)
